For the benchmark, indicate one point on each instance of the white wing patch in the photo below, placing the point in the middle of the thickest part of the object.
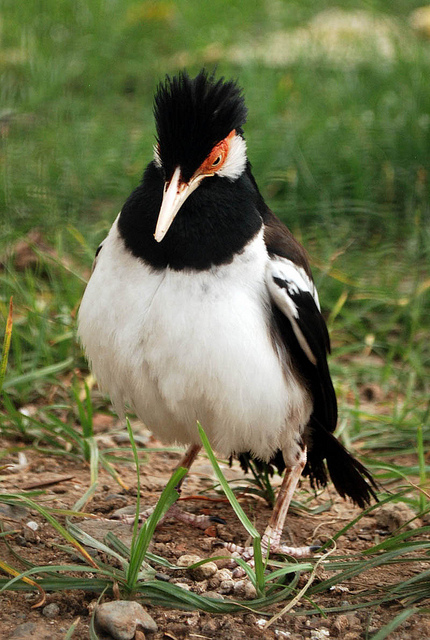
(295, 281)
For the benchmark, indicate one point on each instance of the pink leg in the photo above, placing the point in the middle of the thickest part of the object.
(271, 539)
(201, 522)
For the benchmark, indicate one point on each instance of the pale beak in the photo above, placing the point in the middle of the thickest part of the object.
(174, 196)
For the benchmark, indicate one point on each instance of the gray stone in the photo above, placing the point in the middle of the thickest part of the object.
(250, 591)
(239, 588)
(225, 574)
(129, 510)
(122, 438)
(244, 589)
(214, 595)
(183, 585)
(51, 610)
(204, 571)
(14, 512)
(24, 631)
(187, 559)
(115, 496)
(393, 515)
(226, 586)
(122, 618)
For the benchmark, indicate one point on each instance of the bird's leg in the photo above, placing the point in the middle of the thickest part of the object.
(190, 455)
(186, 462)
(201, 521)
(271, 539)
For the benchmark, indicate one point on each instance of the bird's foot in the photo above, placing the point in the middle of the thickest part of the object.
(268, 544)
(198, 521)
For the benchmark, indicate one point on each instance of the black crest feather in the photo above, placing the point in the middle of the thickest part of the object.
(192, 115)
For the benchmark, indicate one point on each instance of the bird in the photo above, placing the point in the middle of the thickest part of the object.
(201, 307)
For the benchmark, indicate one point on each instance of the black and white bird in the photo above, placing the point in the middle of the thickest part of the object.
(202, 307)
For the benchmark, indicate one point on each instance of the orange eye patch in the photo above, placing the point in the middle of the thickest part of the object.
(217, 156)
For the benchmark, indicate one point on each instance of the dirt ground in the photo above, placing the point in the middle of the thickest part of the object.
(64, 481)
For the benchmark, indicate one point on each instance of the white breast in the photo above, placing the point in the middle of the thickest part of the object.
(182, 346)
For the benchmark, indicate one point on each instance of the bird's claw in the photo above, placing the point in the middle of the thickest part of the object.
(194, 520)
(274, 547)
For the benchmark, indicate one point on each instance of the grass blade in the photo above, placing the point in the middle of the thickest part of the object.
(259, 565)
(393, 624)
(6, 344)
(167, 498)
(72, 629)
(39, 374)
(136, 462)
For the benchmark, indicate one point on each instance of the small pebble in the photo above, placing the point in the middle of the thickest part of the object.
(250, 591)
(226, 586)
(204, 571)
(129, 510)
(214, 595)
(239, 588)
(224, 574)
(115, 496)
(30, 535)
(393, 515)
(51, 610)
(320, 634)
(244, 589)
(183, 585)
(122, 438)
(214, 582)
(187, 559)
(162, 576)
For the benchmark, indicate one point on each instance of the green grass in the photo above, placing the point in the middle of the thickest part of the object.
(340, 150)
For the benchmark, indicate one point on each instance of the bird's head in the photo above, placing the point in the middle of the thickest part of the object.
(199, 136)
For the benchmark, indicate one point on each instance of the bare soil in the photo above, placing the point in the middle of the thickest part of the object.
(69, 479)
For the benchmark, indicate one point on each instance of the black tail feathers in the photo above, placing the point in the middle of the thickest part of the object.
(350, 478)
(326, 457)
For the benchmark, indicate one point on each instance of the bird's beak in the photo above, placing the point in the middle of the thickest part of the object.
(174, 196)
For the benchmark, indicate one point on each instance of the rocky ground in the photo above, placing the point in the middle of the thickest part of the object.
(64, 481)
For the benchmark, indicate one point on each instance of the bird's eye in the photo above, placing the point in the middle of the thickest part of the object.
(217, 160)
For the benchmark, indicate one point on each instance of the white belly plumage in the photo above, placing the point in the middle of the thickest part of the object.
(185, 346)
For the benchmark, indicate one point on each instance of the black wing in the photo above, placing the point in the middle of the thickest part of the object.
(301, 327)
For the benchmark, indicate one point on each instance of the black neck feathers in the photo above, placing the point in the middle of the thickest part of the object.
(213, 224)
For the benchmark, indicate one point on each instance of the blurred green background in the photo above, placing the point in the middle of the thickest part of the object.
(338, 134)
(339, 105)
